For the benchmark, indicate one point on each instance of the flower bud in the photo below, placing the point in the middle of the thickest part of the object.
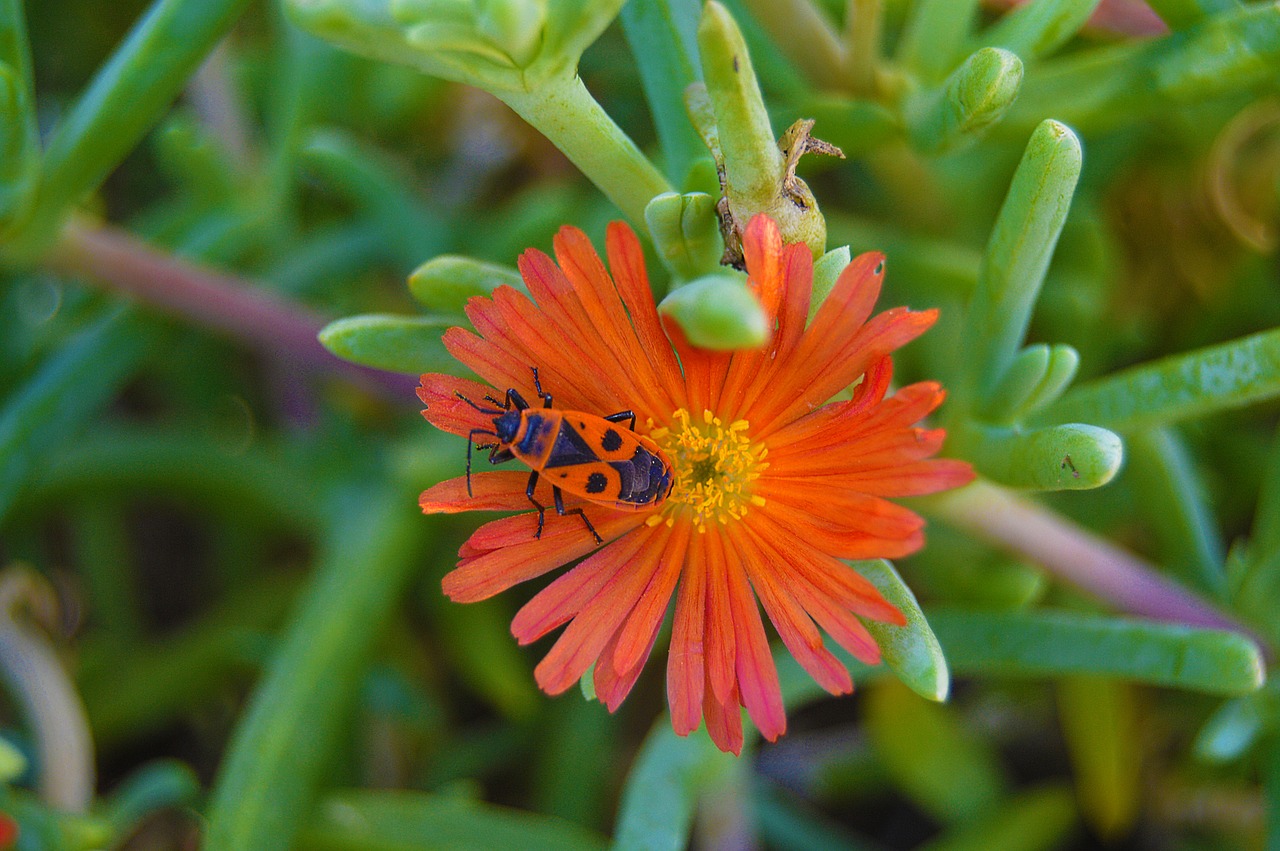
(718, 312)
(685, 232)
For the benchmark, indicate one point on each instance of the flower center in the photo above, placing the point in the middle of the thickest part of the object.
(713, 466)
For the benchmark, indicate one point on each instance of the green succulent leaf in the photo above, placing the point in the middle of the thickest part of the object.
(686, 233)
(933, 40)
(663, 788)
(663, 36)
(1035, 820)
(1053, 643)
(718, 312)
(292, 724)
(1233, 730)
(1040, 27)
(123, 102)
(57, 399)
(408, 344)
(974, 97)
(911, 651)
(939, 763)
(445, 283)
(1062, 457)
(1192, 384)
(1102, 729)
(1018, 253)
(406, 821)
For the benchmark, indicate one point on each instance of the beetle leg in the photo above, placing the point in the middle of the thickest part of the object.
(514, 398)
(560, 509)
(470, 441)
(542, 509)
(623, 415)
(538, 387)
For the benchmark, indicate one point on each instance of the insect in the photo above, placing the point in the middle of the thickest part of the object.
(594, 457)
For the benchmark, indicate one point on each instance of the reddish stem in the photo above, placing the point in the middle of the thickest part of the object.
(1075, 554)
(110, 256)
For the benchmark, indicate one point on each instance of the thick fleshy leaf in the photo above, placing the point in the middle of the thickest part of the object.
(942, 765)
(445, 283)
(408, 344)
(1019, 251)
(912, 650)
(1037, 820)
(974, 97)
(1192, 384)
(663, 37)
(1101, 726)
(1048, 643)
(663, 788)
(1038, 29)
(1233, 730)
(1060, 457)
(58, 398)
(406, 821)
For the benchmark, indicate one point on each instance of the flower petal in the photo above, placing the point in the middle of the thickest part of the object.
(814, 380)
(794, 625)
(686, 658)
(482, 576)
(626, 260)
(497, 491)
(724, 720)
(447, 410)
(829, 576)
(603, 309)
(719, 633)
(584, 639)
(762, 251)
(564, 598)
(612, 687)
(757, 675)
(848, 511)
(647, 616)
(839, 319)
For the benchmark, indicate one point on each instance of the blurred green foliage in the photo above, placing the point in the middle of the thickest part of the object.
(246, 623)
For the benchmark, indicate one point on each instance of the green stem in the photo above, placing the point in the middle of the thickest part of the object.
(280, 749)
(805, 37)
(110, 256)
(933, 41)
(124, 101)
(862, 45)
(565, 112)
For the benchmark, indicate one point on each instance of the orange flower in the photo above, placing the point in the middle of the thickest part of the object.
(774, 483)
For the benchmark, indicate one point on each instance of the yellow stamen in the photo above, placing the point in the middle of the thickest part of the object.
(713, 465)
